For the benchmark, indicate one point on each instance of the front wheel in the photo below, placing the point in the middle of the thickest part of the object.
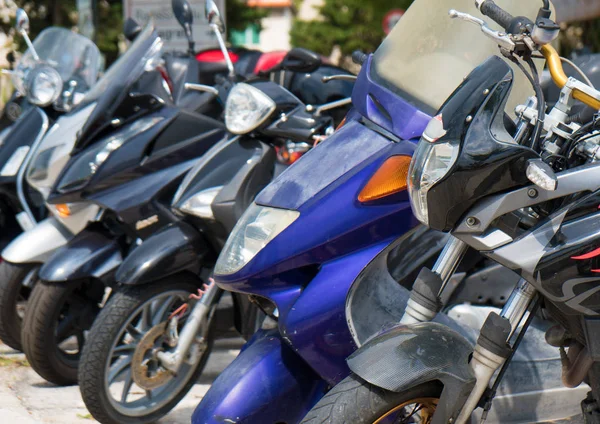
(15, 288)
(56, 321)
(354, 400)
(121, 378)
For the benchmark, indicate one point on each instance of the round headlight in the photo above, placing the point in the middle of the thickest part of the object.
(44, 85)
(247, 108)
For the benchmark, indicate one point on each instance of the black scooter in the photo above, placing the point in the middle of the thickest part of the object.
(147, 338)
(120, 181)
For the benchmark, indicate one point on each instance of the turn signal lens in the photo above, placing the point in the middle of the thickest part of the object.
(390, 178)
(63, 210)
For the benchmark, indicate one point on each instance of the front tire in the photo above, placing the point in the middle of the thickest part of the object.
(355, 401)
(13, 298)
(126, 321)
(53, 333)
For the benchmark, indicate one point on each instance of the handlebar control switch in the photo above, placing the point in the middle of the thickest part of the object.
(545, 31)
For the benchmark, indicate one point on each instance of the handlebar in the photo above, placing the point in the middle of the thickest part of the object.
(496, 13)
(560, 78)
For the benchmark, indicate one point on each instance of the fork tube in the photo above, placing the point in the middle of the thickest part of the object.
(492, 348)
(449, 259)
(424, 302)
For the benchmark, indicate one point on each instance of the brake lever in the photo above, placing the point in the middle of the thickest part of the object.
(501, 38)
(340, 77)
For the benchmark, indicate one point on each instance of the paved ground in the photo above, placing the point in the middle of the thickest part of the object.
(26, 398)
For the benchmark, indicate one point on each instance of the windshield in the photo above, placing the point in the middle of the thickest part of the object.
(428, 54)
(143, 54)
(52, 154)
(72, 55)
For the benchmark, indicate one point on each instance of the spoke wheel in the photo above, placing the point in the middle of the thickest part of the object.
(356, 401)
(55, 327)
(121, 377)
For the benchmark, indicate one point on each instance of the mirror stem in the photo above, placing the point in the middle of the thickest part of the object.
(224, 50)
(30, 45)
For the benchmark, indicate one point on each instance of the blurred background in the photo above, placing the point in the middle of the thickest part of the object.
(333, 28)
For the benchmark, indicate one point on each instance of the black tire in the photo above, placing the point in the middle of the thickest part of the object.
(40, 326)
(107, 330)
(355, 401)
(12, 291)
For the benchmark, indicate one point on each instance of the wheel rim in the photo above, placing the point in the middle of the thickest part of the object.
(122, 391)
(418, 410)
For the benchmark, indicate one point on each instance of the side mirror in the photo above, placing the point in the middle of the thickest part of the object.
(131, 29)
(301, 60)
(183, 12)
(213, 16)
(22, 24)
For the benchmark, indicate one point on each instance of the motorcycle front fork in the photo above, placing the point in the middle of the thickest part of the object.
(492, 348)
(184, 341)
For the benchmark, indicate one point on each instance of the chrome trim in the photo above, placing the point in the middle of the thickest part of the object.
(491, 241)
(25, 164)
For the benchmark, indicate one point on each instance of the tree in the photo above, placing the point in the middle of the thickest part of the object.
(350, 24)
(240, 16)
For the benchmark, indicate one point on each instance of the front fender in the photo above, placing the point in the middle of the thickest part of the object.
(267, 383)
(175, 248)
(407, 356)
(90, 253)
(37, 244)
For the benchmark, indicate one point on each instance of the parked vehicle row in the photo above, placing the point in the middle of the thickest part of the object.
(417, 243)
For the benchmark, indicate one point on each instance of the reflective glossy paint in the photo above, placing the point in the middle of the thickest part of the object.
(308, 269)
(251, 390)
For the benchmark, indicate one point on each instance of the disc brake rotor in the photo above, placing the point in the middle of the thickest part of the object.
(149, 378)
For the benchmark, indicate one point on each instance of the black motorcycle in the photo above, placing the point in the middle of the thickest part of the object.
(131, 155)
(51, 78)
(148, 336)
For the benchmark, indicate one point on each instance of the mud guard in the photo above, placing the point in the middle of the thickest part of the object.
(38, 244)
(89, 254)
(175, 248)
(408, 356)
(267, 383)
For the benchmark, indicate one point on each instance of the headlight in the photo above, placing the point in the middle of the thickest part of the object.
(431, 162)
(247, 108)
(255, 229)
(43, 86)
(200, 203)
(82, 170)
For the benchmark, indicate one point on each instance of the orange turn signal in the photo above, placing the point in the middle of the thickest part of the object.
(63, 210)
(390, 178)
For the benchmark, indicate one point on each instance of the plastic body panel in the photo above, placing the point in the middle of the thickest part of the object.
(90, 254)
(489, 160)
(251, 389)
(175, 248)
(37, 244)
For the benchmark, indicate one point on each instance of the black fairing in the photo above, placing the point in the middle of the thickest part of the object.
(489, 161)
(23, 133)
(252, 177)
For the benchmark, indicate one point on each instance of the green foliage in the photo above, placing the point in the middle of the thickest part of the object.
(349, 24)
(240, 16)
(110, 28)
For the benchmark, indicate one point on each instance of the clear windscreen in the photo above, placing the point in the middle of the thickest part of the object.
(52, 153)
(74, 56)
(428, 54)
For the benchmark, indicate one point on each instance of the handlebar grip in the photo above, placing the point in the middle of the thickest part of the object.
(359, 57)
(496, 13)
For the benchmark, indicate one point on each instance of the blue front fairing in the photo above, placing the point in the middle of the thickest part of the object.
(339, 155)
(324, 186)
